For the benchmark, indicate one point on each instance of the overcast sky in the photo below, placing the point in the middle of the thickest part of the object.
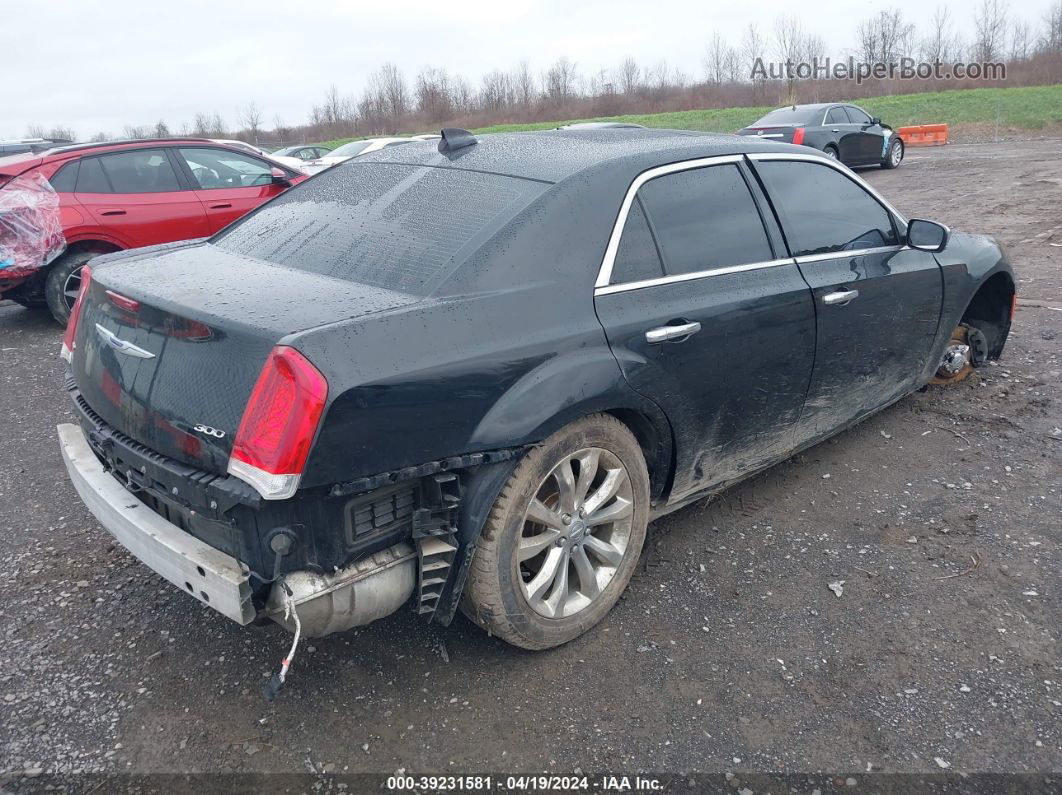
(97, 66)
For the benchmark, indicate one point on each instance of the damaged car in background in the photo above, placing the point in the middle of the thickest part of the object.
(468, 373)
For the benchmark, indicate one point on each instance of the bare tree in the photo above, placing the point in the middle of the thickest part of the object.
(885, 37)
(161, 129)
(433, 95)
(628, 76)
(99, 138)
(719, 60)
(217, 126)
(201, 125)
(251, 119)
(753, 51)
(137, 131)
(35, 131)
(395, 93)
(1020, 44)
(61, 133)
(794, 46)
(559, 82)
(1051, 38)
(659, 77)
(524, 88)
(990, 31)
(496, 91)
(942, 44)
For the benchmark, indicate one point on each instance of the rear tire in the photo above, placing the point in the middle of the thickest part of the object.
(894, 155)
(64, 279)
(588, 488)
(831, 152)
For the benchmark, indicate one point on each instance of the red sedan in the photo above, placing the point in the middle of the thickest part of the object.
(120, 195)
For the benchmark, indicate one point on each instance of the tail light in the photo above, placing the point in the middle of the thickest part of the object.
(67, 352)
(279, 423)
(798, 135)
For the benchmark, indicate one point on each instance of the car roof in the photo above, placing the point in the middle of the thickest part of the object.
(555, 155)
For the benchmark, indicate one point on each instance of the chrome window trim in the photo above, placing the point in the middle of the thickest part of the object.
(685, 277)
(859, 252)
(841, 167)
(604, 273)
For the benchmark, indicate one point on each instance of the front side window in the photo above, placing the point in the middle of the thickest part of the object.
(140, 171)
(857, 116)
(222, 168)
(823, 211)
(705, 219)
(636, 258)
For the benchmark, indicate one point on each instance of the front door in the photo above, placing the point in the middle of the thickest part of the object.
(707, 321)
(870, 136)
(877, 302)
(230, 184)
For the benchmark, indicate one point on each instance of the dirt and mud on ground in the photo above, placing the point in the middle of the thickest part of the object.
(939, 518)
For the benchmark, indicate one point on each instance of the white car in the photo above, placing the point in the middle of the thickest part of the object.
(290, 162)
(347, 151)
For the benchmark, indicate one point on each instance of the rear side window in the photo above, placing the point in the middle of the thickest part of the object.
(636, 258)
(704, 219)
(836, 116)
(65, 179)
(823, 211)
(394, 226)
(90, 177)
(140, 171)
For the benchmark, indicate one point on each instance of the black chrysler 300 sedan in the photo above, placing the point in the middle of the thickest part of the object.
(471, 373)
(843, 132)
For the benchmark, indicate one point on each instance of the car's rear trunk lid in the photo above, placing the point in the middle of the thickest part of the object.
(778, 132)
(170, 343)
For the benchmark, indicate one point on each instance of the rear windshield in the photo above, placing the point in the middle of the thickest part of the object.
(394, 226)
(786, 116)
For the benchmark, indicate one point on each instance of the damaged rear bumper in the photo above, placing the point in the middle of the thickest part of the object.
(214, 578)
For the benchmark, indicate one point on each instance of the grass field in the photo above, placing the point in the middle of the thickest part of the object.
(1027, 108)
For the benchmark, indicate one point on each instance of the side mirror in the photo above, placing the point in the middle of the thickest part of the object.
(927, 235)
(875, 120)
(280, 178)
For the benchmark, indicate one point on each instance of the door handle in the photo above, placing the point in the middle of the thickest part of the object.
(834, 130)
(840, 298)
(221, 206)
(112, 212)
(669, 333)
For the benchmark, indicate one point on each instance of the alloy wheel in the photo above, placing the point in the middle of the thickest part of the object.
(896, 154)
(575, 533)
(72, 286)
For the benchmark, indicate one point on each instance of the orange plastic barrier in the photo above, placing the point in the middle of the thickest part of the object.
(924, 135)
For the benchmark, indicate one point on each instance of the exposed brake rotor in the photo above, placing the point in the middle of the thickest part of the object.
(967, 349)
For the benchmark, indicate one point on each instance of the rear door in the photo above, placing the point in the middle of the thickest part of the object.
(229, 184)
(877, 301)
(844, 133)
(707, 318)
(138, 199)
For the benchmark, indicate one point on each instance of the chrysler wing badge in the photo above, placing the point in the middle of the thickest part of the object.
(111, 340)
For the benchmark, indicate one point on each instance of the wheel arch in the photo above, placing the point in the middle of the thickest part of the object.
(991, 309)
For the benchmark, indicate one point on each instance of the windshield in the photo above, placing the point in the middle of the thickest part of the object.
(786, 116)
(349, 150)
(398, 227)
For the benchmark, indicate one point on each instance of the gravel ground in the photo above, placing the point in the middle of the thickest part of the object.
(729, 651)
